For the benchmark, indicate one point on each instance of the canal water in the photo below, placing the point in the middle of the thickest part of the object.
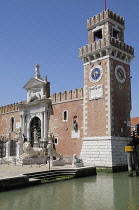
(106, 191)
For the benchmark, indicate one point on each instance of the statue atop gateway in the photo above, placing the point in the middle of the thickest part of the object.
(37, 71)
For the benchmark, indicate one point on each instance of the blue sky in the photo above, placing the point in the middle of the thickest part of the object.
(50, 32)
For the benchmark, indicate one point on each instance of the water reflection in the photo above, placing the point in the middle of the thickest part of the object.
(126, 191)
(104, 191)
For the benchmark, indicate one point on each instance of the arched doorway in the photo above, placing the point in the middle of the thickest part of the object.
(35, 124)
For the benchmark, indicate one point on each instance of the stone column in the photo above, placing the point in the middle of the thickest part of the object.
(45, 126)
(43, 131)
(42, 125)
(25, 126)
(28, 132)
(21, 122)
(8, 149)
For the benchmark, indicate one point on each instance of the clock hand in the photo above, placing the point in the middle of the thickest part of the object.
(121, 74)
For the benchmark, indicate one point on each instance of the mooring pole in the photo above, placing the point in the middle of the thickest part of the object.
(129, 150)
(49, 162)
(129, 160)
(135, 144)
(136, 161)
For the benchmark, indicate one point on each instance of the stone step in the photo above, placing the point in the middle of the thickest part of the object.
(33, 181)
(50, 174)
(42, 176)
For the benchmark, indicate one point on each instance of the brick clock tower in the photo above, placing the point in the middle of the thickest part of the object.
(107, 91)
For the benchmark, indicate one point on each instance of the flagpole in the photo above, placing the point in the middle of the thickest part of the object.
(105, 5)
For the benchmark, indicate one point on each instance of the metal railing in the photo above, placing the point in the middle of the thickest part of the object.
(12, 148)
(2, 149)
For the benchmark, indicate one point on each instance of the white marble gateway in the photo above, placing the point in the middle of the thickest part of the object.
(37, 106)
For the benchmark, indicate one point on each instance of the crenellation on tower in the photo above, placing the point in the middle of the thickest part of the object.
(92, 21)
(89, 48)
(106, 46)
(106, 37)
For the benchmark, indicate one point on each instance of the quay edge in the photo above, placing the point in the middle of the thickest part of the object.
(16, 182)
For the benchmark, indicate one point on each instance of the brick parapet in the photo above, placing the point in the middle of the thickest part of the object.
(104, 15)
(57, 97)
(8, 108)
(96, 45)
(67, 95)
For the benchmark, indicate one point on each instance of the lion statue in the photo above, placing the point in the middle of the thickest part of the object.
(30, 152)
(77, 162)
(76, 159)
(52, 152)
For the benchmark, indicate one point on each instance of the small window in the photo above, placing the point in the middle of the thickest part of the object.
(56, 141)
(65, 116)
(98, 35)
(115, 34)
(12, 124)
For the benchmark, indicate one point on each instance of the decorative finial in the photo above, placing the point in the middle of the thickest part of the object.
(45, 78)
(37, 72)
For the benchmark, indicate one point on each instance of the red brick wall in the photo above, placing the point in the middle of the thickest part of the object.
(5, 123)
(95, 110)
(67, 145)
(121, 101)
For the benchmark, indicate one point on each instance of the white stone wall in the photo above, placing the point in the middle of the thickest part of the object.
(104, 152)
(119, 156)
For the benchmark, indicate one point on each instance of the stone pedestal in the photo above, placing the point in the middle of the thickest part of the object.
(19, 149)
(77, 165)
(57, 163)
(31, 161)
(36, 145)
(43, 143)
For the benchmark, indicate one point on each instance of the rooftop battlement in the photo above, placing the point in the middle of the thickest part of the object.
(8, 108)
(67, 96)
(104, 15)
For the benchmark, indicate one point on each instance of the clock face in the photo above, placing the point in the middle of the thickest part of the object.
(120, 74)
(95, 73)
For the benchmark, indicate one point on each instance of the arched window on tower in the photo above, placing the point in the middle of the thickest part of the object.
(98, 35)
(115, 34)
(12, 124)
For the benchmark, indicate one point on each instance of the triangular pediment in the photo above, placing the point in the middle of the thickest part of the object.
(34, 82)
